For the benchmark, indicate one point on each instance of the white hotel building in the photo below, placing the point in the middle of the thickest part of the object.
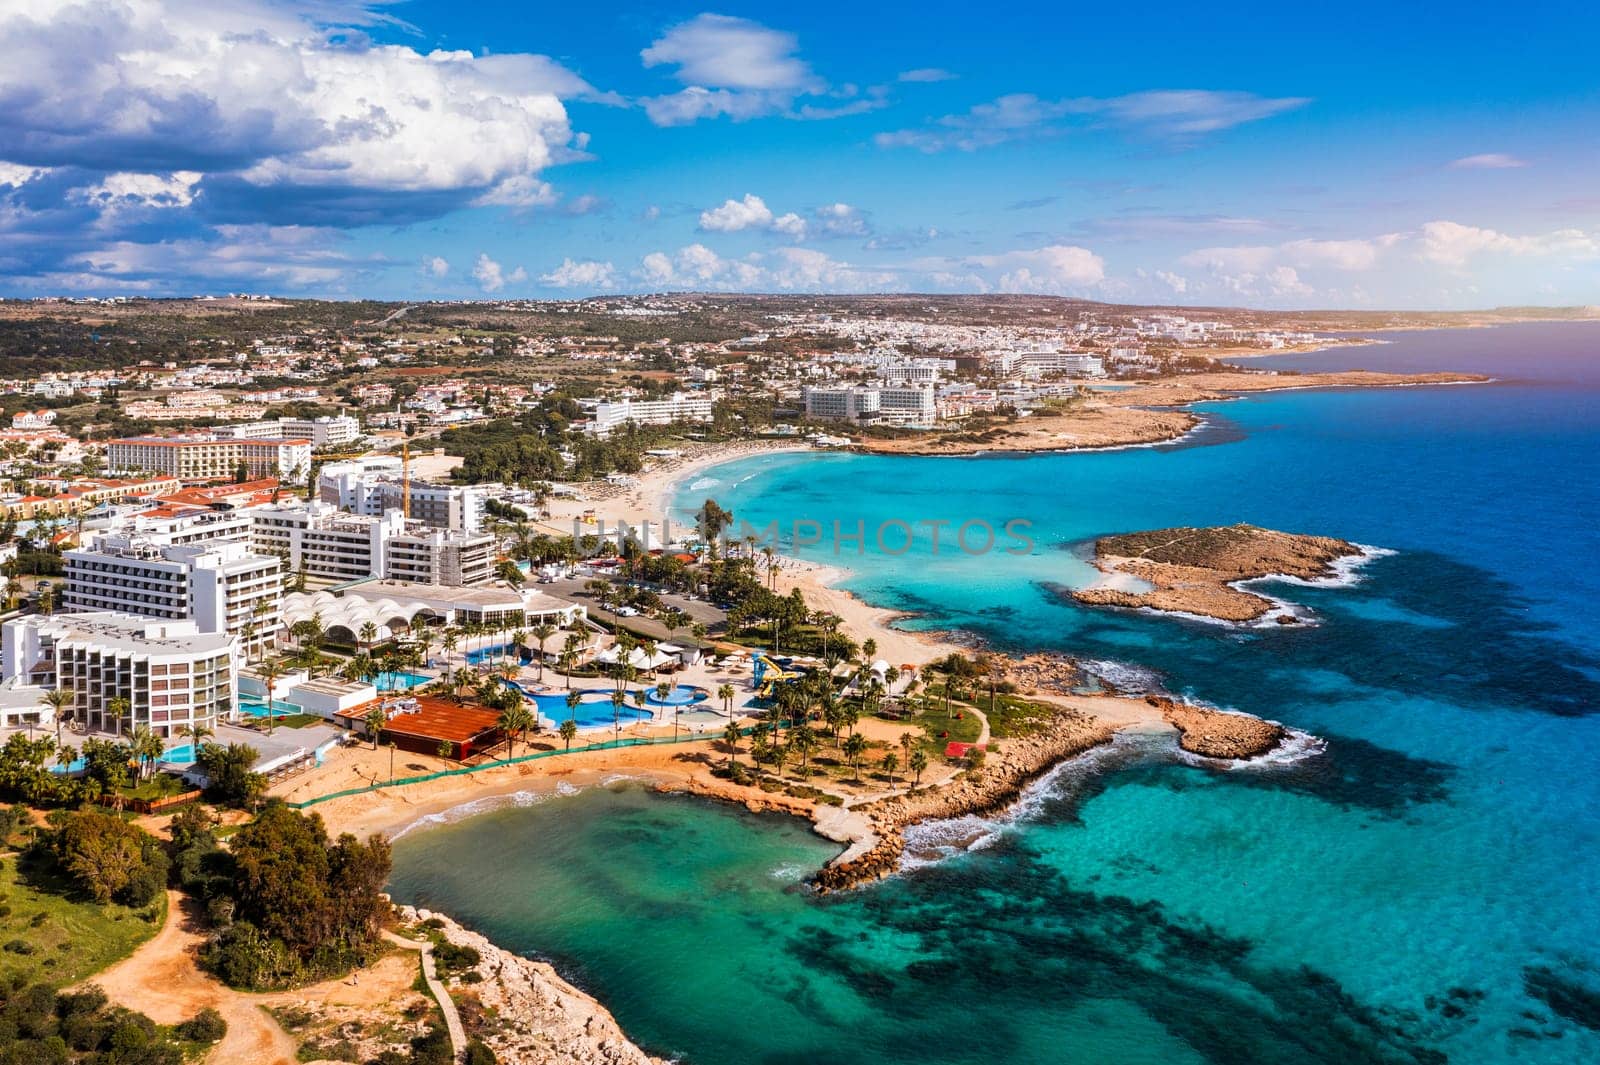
(607, 416)
(221, 586)
(171, 675)
(327, 431)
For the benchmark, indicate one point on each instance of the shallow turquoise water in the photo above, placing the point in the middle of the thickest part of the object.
(1424, 889)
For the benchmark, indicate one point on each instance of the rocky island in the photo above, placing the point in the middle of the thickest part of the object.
(1198, 570)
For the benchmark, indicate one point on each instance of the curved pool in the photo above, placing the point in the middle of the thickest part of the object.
(680, 695)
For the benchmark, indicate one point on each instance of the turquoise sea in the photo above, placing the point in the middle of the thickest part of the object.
(1424, 888)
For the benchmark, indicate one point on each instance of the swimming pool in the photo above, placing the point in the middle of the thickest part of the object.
(679, 695)
(594, 708)
(399, 680)
(252, 705)
(180, 755)
(479, 655)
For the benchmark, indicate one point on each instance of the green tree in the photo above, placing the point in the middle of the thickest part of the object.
(730, 737)
(854, 748)
(919, 762)
(569, 731)
(375, 720)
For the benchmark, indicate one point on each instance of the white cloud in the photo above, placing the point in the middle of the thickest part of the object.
(588, 274)
(1488, 161)
(1176, 282)
(521, 192)
(121, 191)
(1452, 244)
(436, 266)
(749, 213)
(841, 220)
(811, 270)
(14, 175)
(271, 96)
(1056, 269)
(491, 276)
(1174, 113)
(735, 68)
(296, 257)
(752, 212)
(790, 225)
(720, 51)
(926, 74)
(697, 266)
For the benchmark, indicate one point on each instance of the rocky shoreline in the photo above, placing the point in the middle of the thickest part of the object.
(531, 1015)
(1198, 570)
(1219, 733)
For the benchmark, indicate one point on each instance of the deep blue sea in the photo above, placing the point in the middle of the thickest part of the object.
(1426, 888)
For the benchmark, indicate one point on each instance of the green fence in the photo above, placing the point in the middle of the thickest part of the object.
(608, 745)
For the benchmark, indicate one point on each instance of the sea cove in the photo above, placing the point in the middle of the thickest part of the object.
(1416, 887)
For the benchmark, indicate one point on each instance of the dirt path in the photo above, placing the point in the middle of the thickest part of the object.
(163, 980)
(430, 975)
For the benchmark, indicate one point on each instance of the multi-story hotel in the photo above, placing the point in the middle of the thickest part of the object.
(679, 407)
(329, 430)
(331, 545)
(169, 675)
(206, 457)
(375, 484)
(220, 585)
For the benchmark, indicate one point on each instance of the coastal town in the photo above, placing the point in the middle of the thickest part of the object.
(377, 568)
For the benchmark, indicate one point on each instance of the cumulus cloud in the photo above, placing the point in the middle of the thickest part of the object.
(14, 175)
(1488, 161)
(1058, 269)
(926, 74)
(271, 97)
(1452, 244)
(436, 266)
(739, 69)
(122, 191)
(697, 266)
(751, 212)
(589, 274)
(1178, 114)
(491, 276)
(296, 257)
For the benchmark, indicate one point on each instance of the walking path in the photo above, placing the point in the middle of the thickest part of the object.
(430, 976)
(163, 980)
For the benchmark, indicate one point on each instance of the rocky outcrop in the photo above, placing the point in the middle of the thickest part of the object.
(534, 1016)
(1010, 767)
(1219, 733)
(1197, 571)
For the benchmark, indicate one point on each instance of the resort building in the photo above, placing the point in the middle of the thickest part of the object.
(909, 405)
(375, 484)
(855, 404)
(442, 556)
(123, 670)
(221, 586)
(325, 542)
(392, 605)
(333, 430)
(207, 457)
(331, 545)
(607, 416)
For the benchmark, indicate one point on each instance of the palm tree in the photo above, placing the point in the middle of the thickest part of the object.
(919, 762)
(890, 763)
(369, 635)
(573, 699)
(375, 720)
(854, 748)
(515, 720)
(726, 694)
(121, 710)
(446, 748)
(780, 755)
(60, 701)
(449, 642)
(730, 736)
(197, 734)
(804, 741)
(568, 730)
(542, 632)
(618, 701)
(146, 747)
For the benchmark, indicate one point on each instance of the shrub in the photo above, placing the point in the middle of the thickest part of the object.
(207, 1026)
(19, 946)
(478, 1053)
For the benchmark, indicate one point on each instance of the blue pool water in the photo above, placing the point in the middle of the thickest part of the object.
(680, 695)
(399, 681)
(594, 709)
(256, 706)
(1421, 891)
(180, 755)
(495, 653)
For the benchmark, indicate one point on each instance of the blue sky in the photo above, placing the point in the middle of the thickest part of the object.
(1263, 155)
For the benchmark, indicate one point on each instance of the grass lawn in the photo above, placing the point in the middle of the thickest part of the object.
(65, 938)
(933, 721)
